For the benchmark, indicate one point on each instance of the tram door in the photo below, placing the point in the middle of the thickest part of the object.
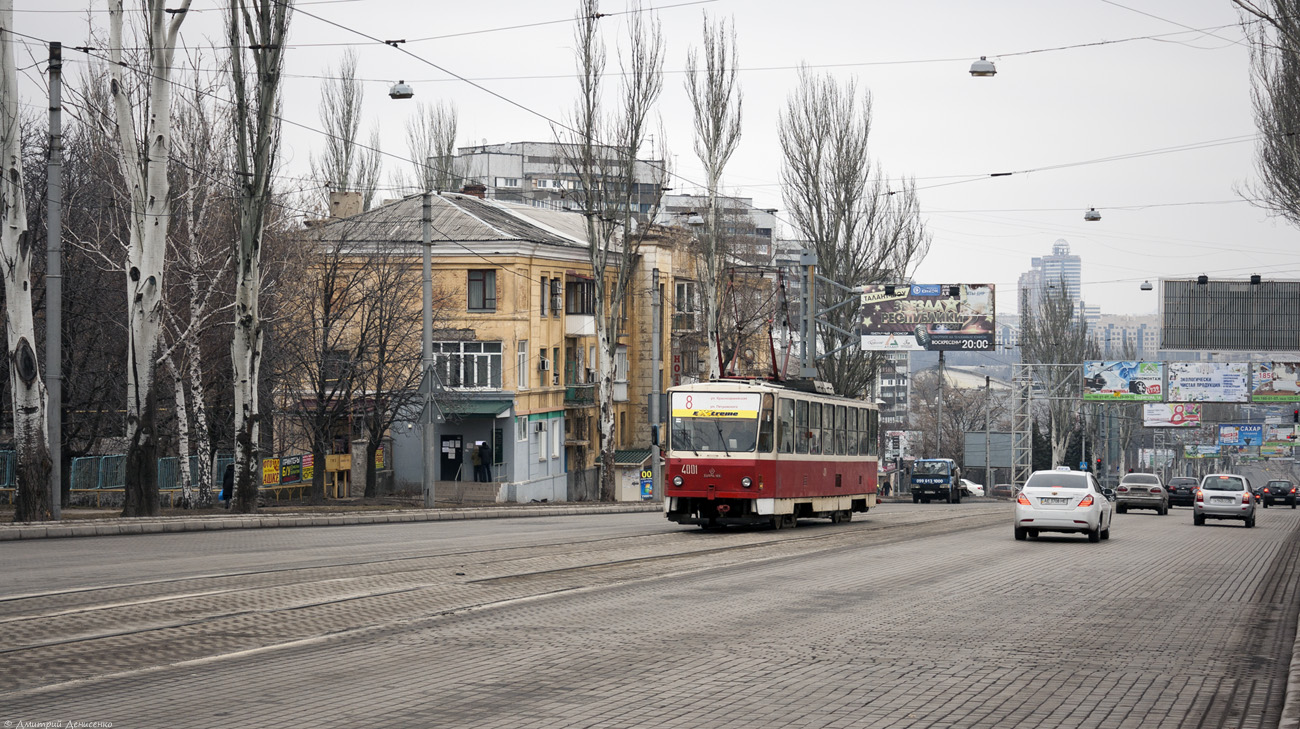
(451, 458)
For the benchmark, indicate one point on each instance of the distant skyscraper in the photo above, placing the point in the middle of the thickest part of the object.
(1049, 271)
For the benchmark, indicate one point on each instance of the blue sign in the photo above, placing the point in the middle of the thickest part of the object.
(1083, 465)
(1241, 434)
(926, 289)
(647, 489)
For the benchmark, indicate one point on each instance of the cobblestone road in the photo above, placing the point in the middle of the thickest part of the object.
(916, 616)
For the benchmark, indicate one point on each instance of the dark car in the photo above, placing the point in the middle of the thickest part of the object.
(1003, 491)
(1182, 490)
(1278, 492)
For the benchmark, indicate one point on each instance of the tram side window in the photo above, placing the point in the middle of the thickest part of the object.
(841, 446)
(801, 427)
(785, 425)
(815, 428)
(873, 434)
(765, 426)
(852, 429)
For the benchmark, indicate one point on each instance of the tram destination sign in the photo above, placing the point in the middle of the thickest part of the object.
(935, 317)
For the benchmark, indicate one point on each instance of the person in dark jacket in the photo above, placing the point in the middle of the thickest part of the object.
(228, 484)
(485, 457)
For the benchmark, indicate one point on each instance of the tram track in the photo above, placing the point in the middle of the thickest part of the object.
(111, 631)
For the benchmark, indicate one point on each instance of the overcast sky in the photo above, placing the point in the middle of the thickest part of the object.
(1052, 114)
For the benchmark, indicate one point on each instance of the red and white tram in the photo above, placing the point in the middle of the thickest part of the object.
(759, 452)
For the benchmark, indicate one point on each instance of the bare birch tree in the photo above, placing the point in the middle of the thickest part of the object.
(346, 165)
(716, 102)
(1054, 336)
(26, 387)
(601, 152)
(431, 142)
(145, 167)
(1274, 35)
(256, 30)
(862, 229)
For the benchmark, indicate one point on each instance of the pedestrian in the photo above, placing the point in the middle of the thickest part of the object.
(476, 458)
(228, 484)
(485, 455)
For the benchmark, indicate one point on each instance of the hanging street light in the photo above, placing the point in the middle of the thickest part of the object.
(401, 90)
(983, 67)
(1092, 215)
(1146, 286)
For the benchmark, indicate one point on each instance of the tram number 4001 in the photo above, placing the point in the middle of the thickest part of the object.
(690, 468)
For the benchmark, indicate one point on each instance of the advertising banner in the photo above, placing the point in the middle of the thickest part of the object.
(291, 469)
(1275, 451)
(1155, 457)
(1123, 381)
(1280, 435)
(270, 471)
(1209, 382)
(308, 467)
(1171, 415)
(1276, 382)
(901, 444)
(935, 317)
(1200, 451)
(1245, 434)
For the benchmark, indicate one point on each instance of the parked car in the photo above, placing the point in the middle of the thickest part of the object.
(1182, 490)
(1003, 491)
(1279, 491)
(970, 488)
(1063, 501)
(1224, 496)
(1141, 491)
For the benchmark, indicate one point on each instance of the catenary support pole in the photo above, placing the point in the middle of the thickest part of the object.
(656, 382)
(54, 284)
(988, 407)
(426, 359)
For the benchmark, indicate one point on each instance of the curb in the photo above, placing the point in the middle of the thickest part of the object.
(1290, 718)
(174, 524)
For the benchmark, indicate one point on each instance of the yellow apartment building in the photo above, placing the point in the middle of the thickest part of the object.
(514, 345)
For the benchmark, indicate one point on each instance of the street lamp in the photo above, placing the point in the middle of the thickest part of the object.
(983, 68)
(401, 90)
(1146, 286)
(1092, 215)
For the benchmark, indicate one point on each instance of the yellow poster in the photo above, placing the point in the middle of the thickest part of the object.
(270, 471)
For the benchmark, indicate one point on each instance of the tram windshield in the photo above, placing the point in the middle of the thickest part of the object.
(715, 421)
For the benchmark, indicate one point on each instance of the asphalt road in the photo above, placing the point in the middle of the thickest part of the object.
(913, 616)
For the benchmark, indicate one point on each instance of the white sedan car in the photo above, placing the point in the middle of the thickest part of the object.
(1063, 501)
(970, 488)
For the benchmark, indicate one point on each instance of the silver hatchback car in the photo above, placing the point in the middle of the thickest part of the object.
(1141, 491)
(1224, 496)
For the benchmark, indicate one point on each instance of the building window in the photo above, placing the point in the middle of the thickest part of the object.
(542, 295)
(684, 307)
(555, 366)
(620, 364)
(483, 290)
(507, 182)
(580, 297)
(557, 439)
(468, 365)
(521, 364)
(521, 429)
(557, 297)
(541, 440)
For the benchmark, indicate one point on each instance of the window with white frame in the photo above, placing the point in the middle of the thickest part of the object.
(557, 439)
(684, 307)
(557, 297)
(521, 428)
(468, 365)
(541, 440)
(521, 365)
(507, 182)
(620, 364)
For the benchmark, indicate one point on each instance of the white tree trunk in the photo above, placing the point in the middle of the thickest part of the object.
(147, 244)
(605, 397)
(182, 433)
(246, 353)
(25, 384)
(202, 433)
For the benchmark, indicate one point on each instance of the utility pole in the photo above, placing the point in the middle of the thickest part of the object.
(938, 421)
(426, 359)
(656, 381)
(988, 408)
(54, 284)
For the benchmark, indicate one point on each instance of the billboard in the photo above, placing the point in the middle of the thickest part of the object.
(1123, 381)
(1200, 451)
(901, 444)
(1242, 434)
(1209, 382)
(1155, 457)
(1271, 451)
(1280, 435)
(935, 317)
(1232, 314)
(1276, 382)
(1171, 415)
(999, 449)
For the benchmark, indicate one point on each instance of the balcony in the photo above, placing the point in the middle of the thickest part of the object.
(579, 396)
(579, 325)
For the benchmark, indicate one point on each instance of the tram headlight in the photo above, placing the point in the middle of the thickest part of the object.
(677, 480)
(746, 482)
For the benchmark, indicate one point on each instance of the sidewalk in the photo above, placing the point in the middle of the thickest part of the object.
(211, 522)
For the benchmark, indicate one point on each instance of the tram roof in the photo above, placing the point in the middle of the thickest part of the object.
(763, 386)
